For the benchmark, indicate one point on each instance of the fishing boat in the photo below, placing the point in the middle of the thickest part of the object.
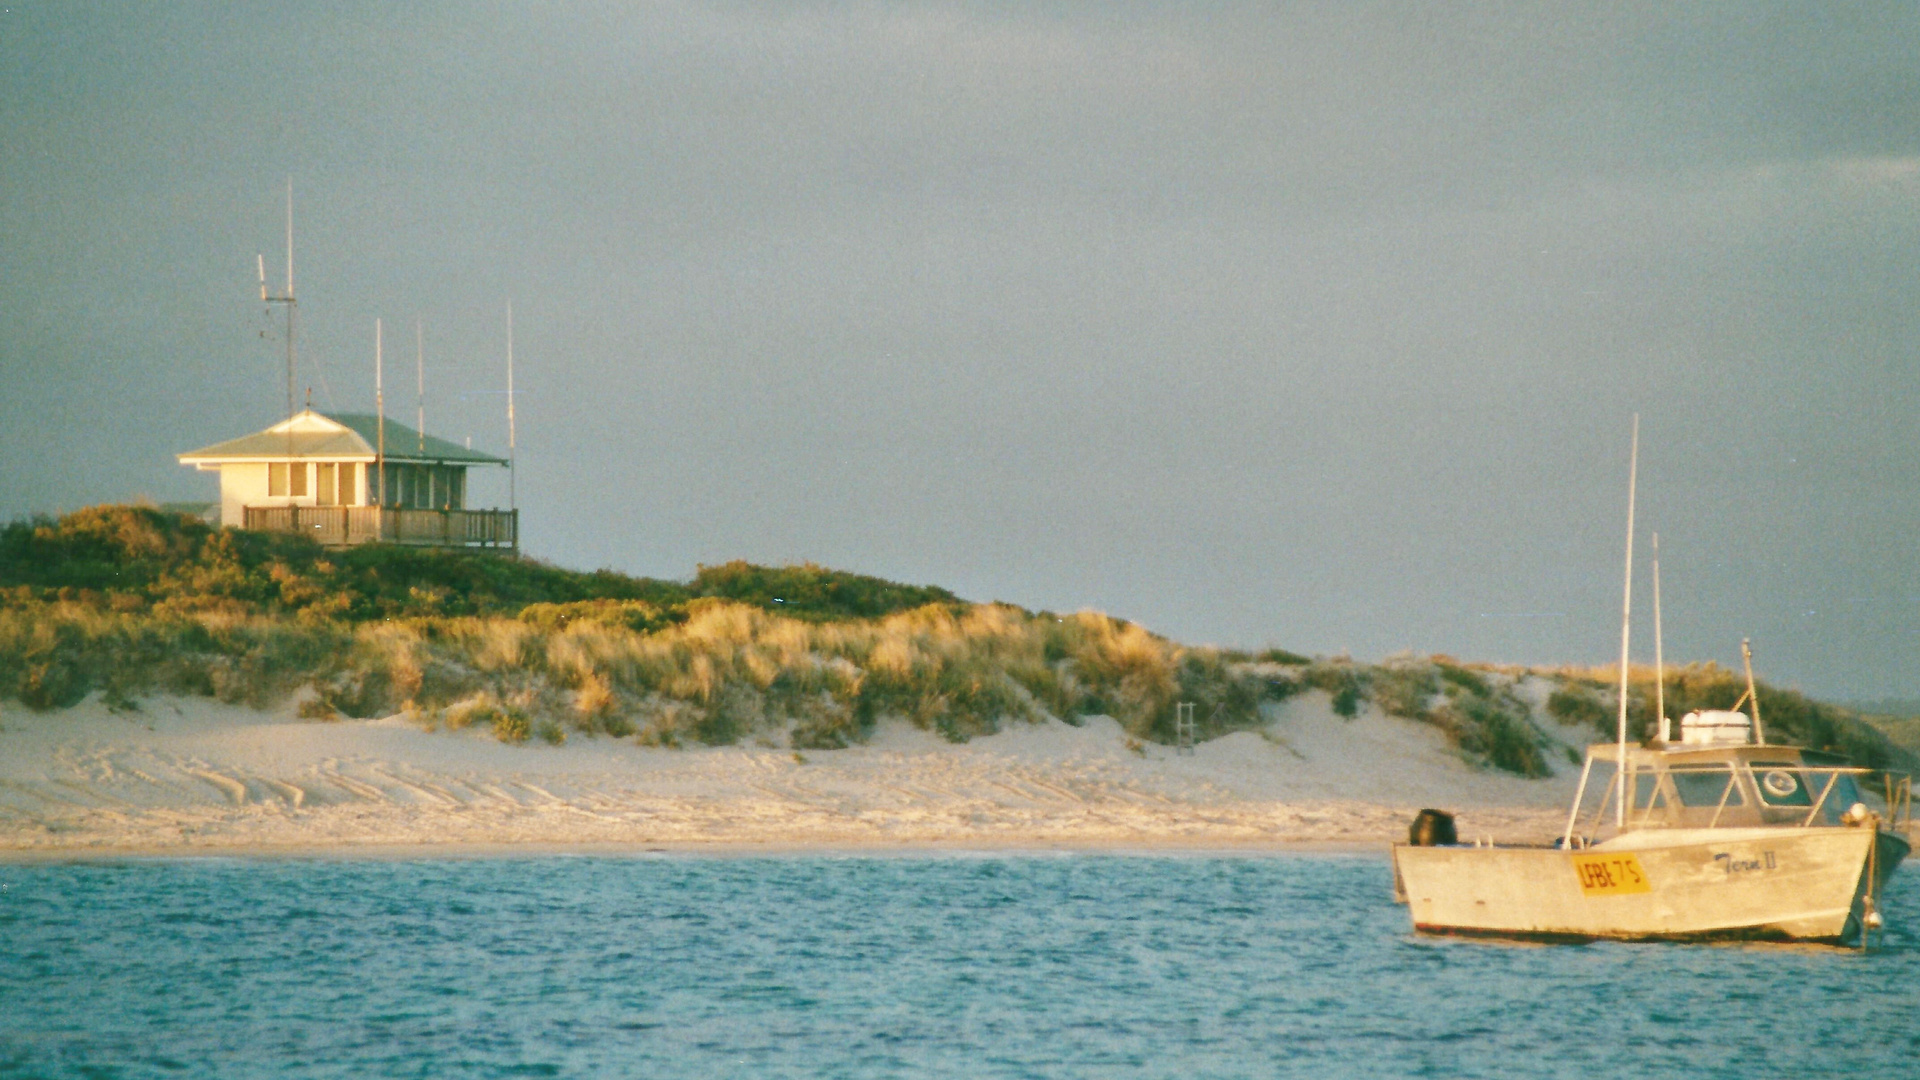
(1714, 835)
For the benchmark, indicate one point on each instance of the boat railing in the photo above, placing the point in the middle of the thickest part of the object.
(1805, 795)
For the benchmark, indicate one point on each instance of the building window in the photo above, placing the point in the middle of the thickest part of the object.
(348, 473)
(323, 485)
(277, 480)
(456, 488)
(299, 475)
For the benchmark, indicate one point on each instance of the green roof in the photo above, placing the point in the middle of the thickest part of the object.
(405, 443)
(345, 436)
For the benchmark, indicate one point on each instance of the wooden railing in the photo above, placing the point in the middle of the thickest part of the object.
(341, 526)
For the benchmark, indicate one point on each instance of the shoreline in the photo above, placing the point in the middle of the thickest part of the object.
(190, 777)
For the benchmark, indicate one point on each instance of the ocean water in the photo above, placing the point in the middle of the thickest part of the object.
(968, 966)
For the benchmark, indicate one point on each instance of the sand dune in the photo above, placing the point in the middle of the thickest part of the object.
(194, 775)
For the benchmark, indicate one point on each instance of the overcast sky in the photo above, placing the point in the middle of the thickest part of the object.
(1312, 325)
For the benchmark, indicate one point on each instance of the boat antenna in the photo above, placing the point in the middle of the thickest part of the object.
(379, 414)
(1626, 624)
(513, 502)
(1753, 696)
(1659, 661)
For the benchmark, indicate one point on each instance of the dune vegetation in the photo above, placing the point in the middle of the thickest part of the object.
(130, 601)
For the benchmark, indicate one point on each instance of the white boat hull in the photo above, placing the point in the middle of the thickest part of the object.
(1797, 884)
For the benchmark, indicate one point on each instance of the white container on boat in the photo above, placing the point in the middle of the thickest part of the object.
(1710, 726)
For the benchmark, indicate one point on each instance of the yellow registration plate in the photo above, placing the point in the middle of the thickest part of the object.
(1611, 874)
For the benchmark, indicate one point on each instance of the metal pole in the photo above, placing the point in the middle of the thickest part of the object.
(1753, 696)
(290, 350)
(380, 422)
(513, 499)
(1659, 660)
(1626, 625)
(420, 372)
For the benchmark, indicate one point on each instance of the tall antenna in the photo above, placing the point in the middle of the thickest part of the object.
(1659, 661)
(513, 502)
(420, 404)
(1626, 612)
(286, 299)
(380, 414)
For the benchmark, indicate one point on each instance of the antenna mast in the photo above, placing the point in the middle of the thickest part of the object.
(513, 502)
(1626, 612)
(286, 299)
(420, 404)
(380, 414)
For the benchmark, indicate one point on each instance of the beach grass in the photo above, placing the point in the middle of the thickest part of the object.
(128, 601)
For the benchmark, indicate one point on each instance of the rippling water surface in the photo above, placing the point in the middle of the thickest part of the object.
(983, 966)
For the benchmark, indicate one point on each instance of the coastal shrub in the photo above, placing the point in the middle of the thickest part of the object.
(1497, 732)
(826, 723)
(1574, 704)
(1405, 689)
(813, 593)
(1342, 680)
(512, 726)
(480, 709)
(638, 616)
(1226, 696)
(1282, 656)
(1471, 682)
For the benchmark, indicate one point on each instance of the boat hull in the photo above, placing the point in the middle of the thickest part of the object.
(1782, 884)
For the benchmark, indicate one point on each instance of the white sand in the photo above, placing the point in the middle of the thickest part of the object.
(190, 775)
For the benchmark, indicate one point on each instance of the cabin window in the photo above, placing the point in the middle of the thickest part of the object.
(277, 480)
(1646, 792)
(1845, 792)
(1781, 783)
(323, 483)
(456, 488)
(1706, 786)
(298, 489)
(348, 473)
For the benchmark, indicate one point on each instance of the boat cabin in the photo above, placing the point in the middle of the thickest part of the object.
(353, 478)
(1714, 777)
(1730, 787)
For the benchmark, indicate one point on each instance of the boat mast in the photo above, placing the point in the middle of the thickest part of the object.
(1659, 662)
(1626, 613)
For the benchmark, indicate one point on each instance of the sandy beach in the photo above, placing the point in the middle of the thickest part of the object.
(190, 775)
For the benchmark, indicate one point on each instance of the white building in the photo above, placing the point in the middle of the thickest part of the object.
(351, 479)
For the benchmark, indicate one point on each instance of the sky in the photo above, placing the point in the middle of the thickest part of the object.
(1311, 325)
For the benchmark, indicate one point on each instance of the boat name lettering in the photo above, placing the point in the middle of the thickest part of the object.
(1762, 861)
(1610, 874)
